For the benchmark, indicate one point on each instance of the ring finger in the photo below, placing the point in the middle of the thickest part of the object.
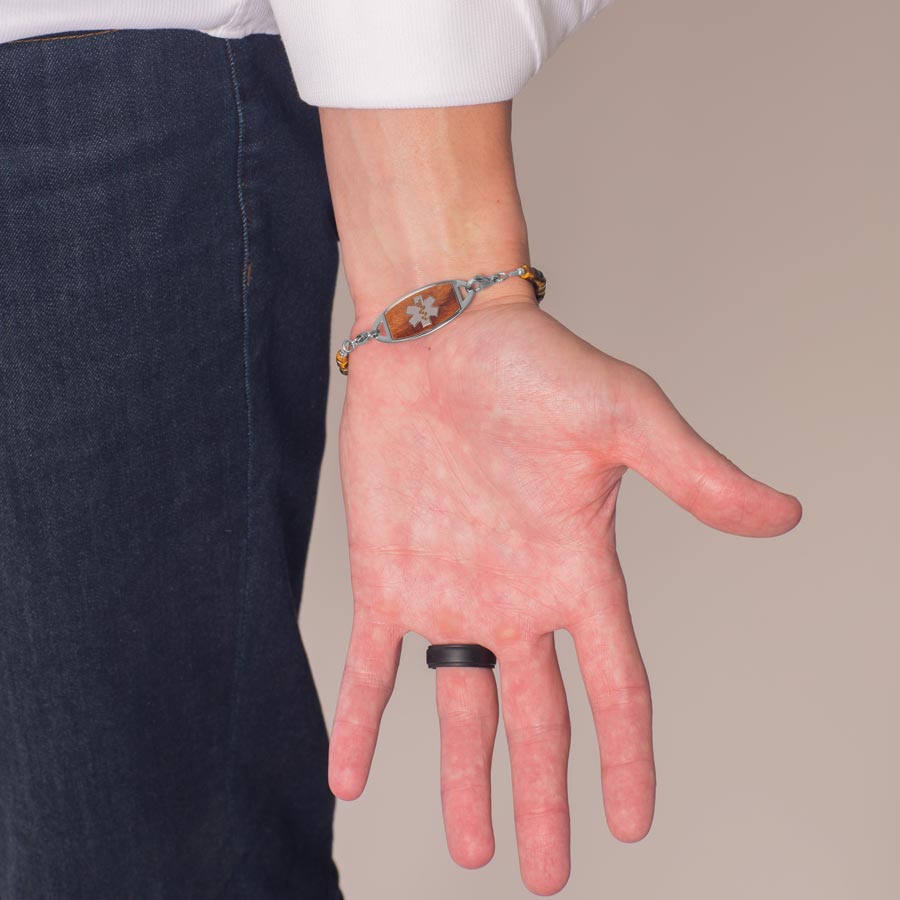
(468, 712)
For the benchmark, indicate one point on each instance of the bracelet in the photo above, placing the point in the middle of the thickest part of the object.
(431, 307)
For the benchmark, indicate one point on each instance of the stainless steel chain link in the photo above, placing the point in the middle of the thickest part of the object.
(361, 338)
(480, 282)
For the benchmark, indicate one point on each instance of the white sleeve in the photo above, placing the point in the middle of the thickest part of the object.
(417, 53)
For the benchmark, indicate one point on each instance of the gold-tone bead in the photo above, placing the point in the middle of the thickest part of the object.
(537, 279)
(343, 361)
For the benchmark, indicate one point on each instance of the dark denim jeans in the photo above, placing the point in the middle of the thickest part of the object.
(168, 257)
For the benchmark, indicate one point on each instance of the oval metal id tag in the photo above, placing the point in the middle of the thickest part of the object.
(424, 310)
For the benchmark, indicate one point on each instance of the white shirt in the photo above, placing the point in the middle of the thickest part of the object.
(353, 53)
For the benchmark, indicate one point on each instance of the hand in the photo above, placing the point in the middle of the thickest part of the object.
(480, 467)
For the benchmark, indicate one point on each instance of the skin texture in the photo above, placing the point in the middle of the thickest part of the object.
(480, 467)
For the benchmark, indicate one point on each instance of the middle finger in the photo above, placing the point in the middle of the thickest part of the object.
(538, 732)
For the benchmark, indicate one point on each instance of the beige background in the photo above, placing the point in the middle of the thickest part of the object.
(712, 188)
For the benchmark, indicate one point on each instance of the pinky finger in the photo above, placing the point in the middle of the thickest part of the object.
(366, 687)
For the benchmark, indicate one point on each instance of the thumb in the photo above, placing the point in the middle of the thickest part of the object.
(666, 451)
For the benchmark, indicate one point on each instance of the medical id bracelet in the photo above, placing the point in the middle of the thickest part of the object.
(431, 307)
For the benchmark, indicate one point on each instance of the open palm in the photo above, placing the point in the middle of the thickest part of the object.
(480, 468)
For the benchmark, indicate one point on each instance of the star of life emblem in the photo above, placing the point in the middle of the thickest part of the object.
(421, 311)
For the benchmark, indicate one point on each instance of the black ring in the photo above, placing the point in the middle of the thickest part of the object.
(469, 655)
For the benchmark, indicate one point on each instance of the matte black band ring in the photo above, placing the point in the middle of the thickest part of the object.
(469, 655)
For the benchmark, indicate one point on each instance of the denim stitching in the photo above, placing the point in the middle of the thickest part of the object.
(245, 312)
(64, 37)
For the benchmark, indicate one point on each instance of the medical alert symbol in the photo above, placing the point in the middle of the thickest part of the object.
(421, 311)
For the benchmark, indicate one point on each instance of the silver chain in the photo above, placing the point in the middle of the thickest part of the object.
(361, 338)
(480, 282)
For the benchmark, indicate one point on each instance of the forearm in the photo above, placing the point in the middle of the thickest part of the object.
(420, 195)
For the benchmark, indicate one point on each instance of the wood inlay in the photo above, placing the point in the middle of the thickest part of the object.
(422, 310)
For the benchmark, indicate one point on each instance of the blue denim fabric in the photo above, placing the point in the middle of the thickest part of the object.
(168, 257)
